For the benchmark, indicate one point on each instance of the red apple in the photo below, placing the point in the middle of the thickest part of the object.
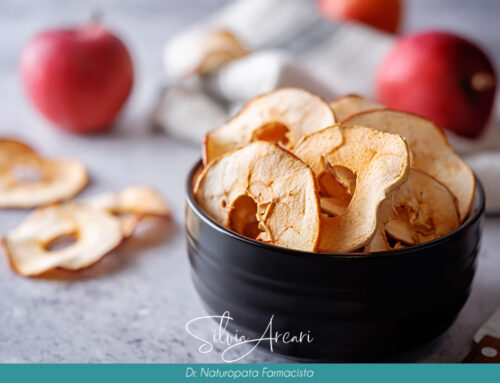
(78, 78)
(442, 77)
(381, 14)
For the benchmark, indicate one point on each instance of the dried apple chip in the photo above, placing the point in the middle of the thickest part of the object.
(344, 177)
(263, 192)
(398, 245)
(28, 180)
(333, 206)
(29, 247)
(420, 210)
(424, 209)
(346, 106)
(131, 205)
(429, 151)
(333, 190)
(139, 200)
(380, 162)
(379, 242)
(216, 49)
(281, 116)
(202, 51)
(15, 151)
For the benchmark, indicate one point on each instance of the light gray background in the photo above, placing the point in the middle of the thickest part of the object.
(133, 306)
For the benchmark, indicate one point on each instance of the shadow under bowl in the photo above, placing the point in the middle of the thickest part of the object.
(356, 307)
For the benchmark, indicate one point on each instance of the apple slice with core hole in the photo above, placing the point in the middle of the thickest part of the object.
(429, 150)
(28, 180)
(281, 116)
(380, 162)
(420, 210)
(94, 233)
(263, 192)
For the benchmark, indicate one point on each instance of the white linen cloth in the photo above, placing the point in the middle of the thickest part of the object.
(291, 46)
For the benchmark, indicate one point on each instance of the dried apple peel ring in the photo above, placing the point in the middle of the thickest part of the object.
(283, 116)
(420, 210)
(27, 180)
(429, 151)
(95, 233)
(379, 242)
(131, 205)
(424, 208)
(380, 162)
(264, 192)
(216, 49)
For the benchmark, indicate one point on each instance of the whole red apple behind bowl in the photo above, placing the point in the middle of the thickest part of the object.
(381, 14)
(442, 77)
(78, 78)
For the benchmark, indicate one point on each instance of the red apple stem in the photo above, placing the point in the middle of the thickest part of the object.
(482, 81)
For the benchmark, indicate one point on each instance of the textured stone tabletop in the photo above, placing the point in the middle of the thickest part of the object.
(133, 306)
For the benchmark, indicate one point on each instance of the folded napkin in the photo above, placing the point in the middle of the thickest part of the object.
(290, 45)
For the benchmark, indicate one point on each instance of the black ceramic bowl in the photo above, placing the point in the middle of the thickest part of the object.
(355, 306)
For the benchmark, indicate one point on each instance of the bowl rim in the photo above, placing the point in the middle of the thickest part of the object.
(471, 219)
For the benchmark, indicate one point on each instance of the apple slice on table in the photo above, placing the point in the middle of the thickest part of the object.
(95, 233)
(28, 179)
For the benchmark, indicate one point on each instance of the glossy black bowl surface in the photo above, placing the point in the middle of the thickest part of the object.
(357, 307)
